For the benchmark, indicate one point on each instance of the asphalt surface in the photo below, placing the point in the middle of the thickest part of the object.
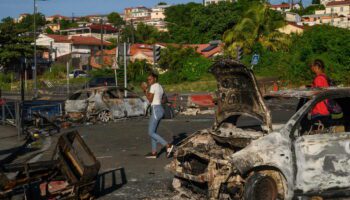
(120, 147)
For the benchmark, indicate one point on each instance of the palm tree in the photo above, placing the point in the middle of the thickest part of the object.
(258, 25)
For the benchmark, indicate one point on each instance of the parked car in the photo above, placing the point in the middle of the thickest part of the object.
(105, 104)
(77, 73)
(101, 81)
(236, 160)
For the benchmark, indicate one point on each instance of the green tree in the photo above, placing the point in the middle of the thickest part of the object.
(195, 23)
(14, 44)
(162, 3)
(146, 34)
(27, 22)
(138, 70)
(115, 19)
(310, 10)
(179, 20)
(330, 44)
(66, 24)
(182, 64)
(258, 25)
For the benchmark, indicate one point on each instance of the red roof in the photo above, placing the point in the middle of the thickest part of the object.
(296, 25)
(77, 40)
(104, 27)
(283, 5)
(200, 47)
(59, 17)
(338, 3)
(59, 38)
(87, 40)
(143, 48)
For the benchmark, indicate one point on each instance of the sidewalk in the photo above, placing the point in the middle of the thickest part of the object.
(9, 143)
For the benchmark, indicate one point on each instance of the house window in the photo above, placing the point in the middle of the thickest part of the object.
(332, 10)
(341, 9)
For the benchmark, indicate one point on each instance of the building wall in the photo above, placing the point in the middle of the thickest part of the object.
(208, 2)
(292, 17)
(340, 10)
(288, 29)
(157, 14)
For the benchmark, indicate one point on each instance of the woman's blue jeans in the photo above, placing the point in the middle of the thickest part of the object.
(157, 115)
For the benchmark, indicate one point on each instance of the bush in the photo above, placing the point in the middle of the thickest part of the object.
(104, 72)
(57, 71)
(330, 44)
(192, 69)
(5, 80)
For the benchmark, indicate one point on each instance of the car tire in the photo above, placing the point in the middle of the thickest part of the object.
(104, 116)
(260, 187)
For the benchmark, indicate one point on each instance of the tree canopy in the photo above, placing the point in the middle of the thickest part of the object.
(195, 23)
(15, 43)
(257, 27)
(330, 44)
(115, 19)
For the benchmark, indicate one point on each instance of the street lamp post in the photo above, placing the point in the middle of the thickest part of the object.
(35, 61)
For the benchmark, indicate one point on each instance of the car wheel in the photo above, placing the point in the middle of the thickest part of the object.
(260, 187)
(104, 116)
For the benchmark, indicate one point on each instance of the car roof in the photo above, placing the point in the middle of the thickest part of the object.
(309, 92)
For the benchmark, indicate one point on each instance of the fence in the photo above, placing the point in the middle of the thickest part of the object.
(47, 90)
(16, 113)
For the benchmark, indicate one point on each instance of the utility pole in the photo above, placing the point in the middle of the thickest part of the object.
(101, 24)
(125, 68)
(132, 31)
(35, 61)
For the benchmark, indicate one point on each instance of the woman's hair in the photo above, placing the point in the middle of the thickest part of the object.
(319, 63)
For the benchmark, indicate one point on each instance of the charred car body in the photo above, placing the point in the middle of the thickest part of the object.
(105, 104)
(256, 162)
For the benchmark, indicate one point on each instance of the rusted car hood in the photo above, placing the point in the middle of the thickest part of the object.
(238, 94)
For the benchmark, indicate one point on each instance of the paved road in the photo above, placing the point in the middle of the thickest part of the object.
(121, 146)
(124, 144)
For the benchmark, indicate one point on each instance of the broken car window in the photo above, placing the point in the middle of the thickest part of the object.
(75, 96)
(332, 123)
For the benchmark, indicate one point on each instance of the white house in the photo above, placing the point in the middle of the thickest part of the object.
(341, 8)
(292, 17)
(158, 12)
(79, 47)
(284, 7)
(137, 13)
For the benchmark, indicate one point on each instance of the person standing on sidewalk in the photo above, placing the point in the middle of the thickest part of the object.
(154, 96)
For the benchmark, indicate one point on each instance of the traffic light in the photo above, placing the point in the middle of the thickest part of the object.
(239, 52)
(156, 53)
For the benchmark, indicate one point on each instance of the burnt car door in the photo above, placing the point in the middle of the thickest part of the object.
(115, 102)
(78, 102)
(134, 105)
(323, 157)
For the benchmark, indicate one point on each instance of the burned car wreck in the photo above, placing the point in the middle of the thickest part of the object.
(104, 104)
(255, 161)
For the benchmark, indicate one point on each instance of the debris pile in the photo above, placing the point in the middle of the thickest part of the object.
(71, 174)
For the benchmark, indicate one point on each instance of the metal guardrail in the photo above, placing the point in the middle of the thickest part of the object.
(60, 91)
(16, 113)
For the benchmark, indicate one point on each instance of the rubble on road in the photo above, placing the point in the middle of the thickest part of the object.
(197, 111)
(71, 173)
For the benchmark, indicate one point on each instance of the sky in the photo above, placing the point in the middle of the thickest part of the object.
(13, 8)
